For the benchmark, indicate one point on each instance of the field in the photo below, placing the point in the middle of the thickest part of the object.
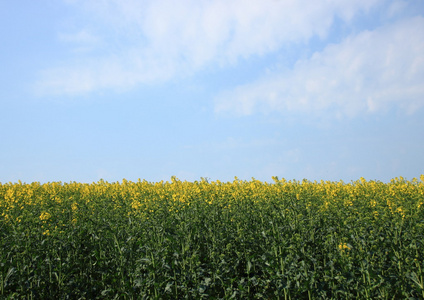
(212, 240)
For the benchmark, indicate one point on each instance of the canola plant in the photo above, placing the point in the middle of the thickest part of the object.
(212, 240)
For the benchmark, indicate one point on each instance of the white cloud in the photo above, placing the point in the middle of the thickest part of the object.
(367, 72)
(158, 39)
(118, 72)
(396, 7)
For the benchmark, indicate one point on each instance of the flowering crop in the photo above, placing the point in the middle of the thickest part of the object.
(240, 239)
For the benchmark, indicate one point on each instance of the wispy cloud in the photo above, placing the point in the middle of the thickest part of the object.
(367, 72)
(157, 40)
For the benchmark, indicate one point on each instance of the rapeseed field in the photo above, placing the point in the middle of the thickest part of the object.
(212, 240)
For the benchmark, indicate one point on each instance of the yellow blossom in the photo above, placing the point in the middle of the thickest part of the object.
(45, 216)
(343, 246)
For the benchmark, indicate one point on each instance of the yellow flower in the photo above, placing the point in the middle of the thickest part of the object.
(136, 205)
(401, 212)
(45, 216)
(343, 246)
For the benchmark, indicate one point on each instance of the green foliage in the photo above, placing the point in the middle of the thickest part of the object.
(212, 240)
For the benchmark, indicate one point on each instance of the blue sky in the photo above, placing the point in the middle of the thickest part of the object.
(113, 89)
